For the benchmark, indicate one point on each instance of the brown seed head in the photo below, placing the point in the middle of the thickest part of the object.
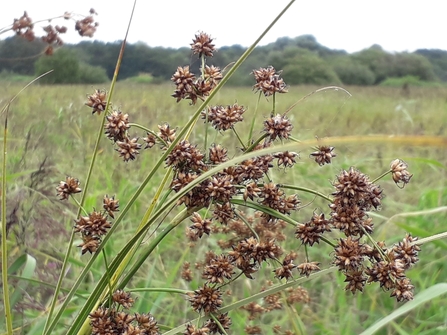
(123, 298)
(148, 323)
(128, 148)
(207, 299)
(225, 323)
(117, 126)
(323, 155)
(110, 205)
(202, 45)
(278, 126)
(68, 187)
(97, 101)
(401, 176)
(268, 81)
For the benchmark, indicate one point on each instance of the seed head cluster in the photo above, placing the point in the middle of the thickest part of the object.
(269, 81)
(117, 320)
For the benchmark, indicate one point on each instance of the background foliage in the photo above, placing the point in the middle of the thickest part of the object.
(303, 59)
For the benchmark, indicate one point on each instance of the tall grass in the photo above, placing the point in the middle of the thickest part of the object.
(145, 251)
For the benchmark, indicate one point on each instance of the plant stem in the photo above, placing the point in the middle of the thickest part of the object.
(238, 137)
(307, 190)
(381, 176)
(250, 133)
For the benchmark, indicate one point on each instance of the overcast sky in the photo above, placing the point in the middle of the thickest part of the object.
(351, 25)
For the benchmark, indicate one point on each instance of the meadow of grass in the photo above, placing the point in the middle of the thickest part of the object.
(52, 134)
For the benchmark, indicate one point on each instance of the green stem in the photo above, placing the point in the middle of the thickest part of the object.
(274, 103)
(238, 137)
(6, 301)
(136, 125)
(381, 176)
(49, 325)
(307, 190)
(254, 144)
(248, 225)
(184, 214)
(108, 275)
(250, 133)
(160, 289)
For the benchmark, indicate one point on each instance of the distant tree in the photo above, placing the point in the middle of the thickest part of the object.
(438, 59)
(352, 72)
(65, 68)
(377, 60)
(308, 68)
(411, 64)
(18, 55)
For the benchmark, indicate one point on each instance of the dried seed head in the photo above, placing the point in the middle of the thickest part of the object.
(186, 273)
(254, 310)
(218, 154)
(349, 255)
(86, 26)
(101, 321)
(202, 45)
(185, 156)
(192, 330)
(268, 81)
(128, 148)
(407, 251)
(386, 272)
(150, 140)
(323, 155)
(307, 268)
(97, 101)
(224, 118)
(207, 299)
(311, 231)
(286, 158)
(218, 268)
(110, 205)
(285, 271)
(68, 187)
(403, 290)
(117, 126)
(278, 126)
(89, 243)
(401, 176)
(123, 298)
(95, 224)
(356, 281)
(200, 226)
(298, 294)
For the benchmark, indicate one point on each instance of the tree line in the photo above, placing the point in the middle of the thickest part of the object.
(302, 59)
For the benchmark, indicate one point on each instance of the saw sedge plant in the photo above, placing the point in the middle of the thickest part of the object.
(233, 199)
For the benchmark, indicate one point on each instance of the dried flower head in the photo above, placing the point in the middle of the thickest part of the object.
(401, 176)
(218, 268)
(95, 224)
(185, 156)
(110, 205)
(286, 158)
(89, 243)
(207, 299)
(128, 148)
(269, 81)
(123, 298)
(68, 187)
(218, 154)
(97, 101)
(323, 154)
(407, 251)
(117, 126)
(202, 45)
(224, 117)
(200, 226)
(349, 254)
(308, 267)
(86, 26)
(278, 126)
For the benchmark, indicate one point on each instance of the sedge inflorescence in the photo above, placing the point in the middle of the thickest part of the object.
(249, 213)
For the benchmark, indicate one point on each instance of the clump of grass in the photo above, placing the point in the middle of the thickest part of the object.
(232, 200)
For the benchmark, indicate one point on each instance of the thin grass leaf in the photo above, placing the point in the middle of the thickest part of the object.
(419, 299)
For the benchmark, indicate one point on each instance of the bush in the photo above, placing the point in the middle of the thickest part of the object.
(68, 70)
(352, 72)
(309, 69)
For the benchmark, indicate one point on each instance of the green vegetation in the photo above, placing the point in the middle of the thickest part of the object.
(260, 201)
(302, 58)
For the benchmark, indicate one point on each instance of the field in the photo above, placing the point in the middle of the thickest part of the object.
(51, 135)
